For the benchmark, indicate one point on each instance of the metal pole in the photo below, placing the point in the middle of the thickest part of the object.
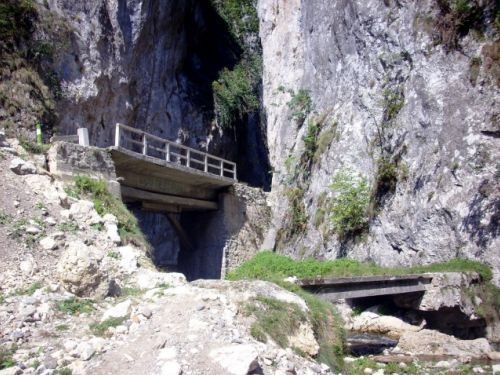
(144, 144)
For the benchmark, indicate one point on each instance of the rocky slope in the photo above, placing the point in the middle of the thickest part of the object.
(74, 297)
(392, 102)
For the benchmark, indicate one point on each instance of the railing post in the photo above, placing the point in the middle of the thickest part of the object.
(117, 135)
(83, 136)
(205, 167)
(222, 168)
(188, 158)
(234, 172)
(144, 144)
(167, 152)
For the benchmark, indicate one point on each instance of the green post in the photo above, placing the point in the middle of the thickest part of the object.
(39, 139)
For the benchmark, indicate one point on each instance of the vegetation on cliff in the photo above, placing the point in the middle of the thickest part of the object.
(236, 89)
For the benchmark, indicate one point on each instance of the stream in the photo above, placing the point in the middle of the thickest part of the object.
(359, 344)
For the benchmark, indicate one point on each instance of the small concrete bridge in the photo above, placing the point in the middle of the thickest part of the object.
(166, 176)
(366, 286)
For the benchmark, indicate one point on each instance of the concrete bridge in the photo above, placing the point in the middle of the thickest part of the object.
(366, 286)
(166, 176)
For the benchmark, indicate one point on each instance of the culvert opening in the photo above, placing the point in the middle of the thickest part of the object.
(450, 321)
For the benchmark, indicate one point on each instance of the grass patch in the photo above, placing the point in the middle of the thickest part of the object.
(62, 327)
(274, 318)
(100, 329)
(33, 147)
(74, 305)
(270, 266)
(114, 254)
(131, 292)
(396, 368)
(5, 218)
(69, 226)
(63, 371)
(104, 203)
(30, 290)
(6, 359)
(358, 366)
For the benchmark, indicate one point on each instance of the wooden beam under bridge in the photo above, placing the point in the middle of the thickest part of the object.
(133, 194)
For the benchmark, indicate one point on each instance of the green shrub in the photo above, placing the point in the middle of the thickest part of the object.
(301, 105)
(325, 139)
(386, 179)
(100, 329)
(349, 209)
(240, 15)
(75, 305)
(105, 203)
(393, 101)
(16, 20)
(298, 214)
(234, 93)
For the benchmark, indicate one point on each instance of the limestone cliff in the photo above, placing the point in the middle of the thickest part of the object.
(382, 90)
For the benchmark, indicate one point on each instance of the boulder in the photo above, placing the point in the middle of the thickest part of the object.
(78, 269)
(84, 211)
(236, 359)
(433, 342)
(121, 310)
(370, 322)
(128, 259)
(48, 243)
(22, 167)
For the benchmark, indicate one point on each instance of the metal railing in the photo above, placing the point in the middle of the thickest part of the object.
(150, 145)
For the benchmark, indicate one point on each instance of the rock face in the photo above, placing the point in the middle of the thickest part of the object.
(382, 88)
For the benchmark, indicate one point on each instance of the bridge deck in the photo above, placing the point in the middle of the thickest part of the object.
(166, 176)
(366, 286)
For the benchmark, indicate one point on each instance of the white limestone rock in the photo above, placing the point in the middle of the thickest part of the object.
(236, 359)
(22, 167)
